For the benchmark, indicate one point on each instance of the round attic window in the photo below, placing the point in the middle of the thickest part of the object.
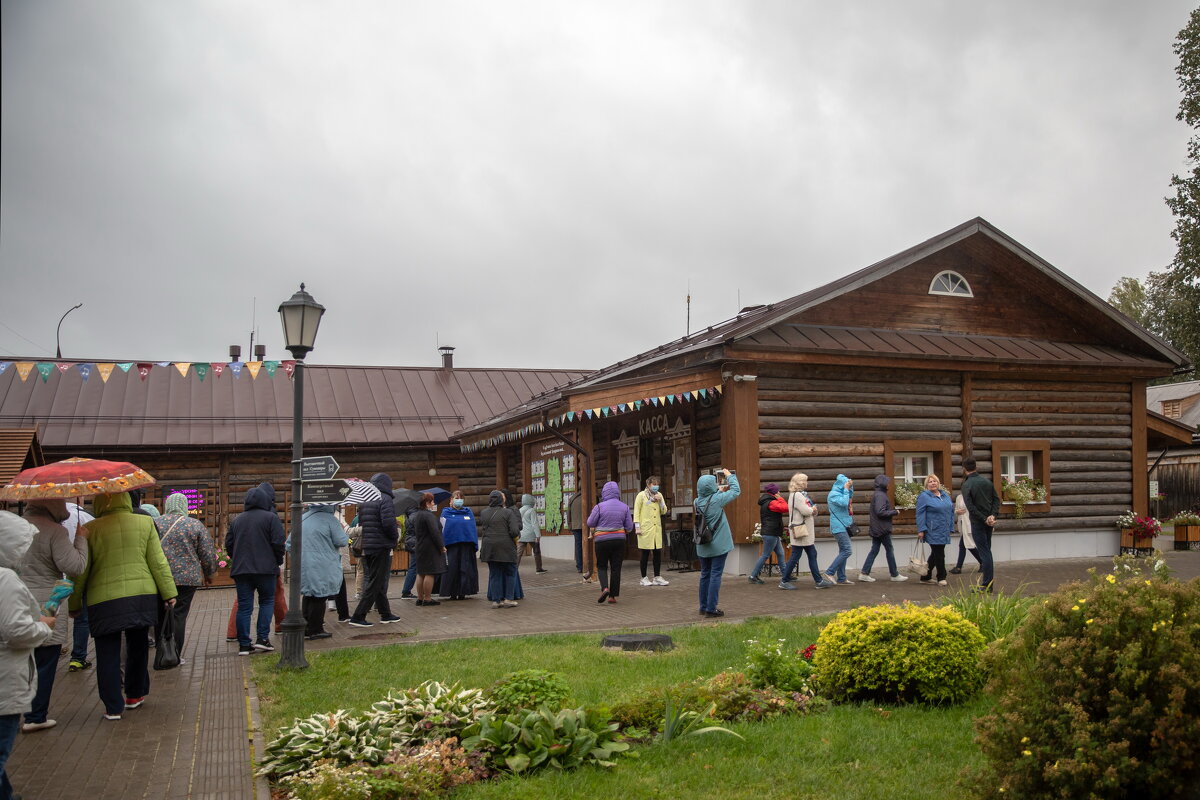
(950, 284)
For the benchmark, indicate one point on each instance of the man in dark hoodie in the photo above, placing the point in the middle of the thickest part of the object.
(380, 535)
(882, 513)
(255, 542)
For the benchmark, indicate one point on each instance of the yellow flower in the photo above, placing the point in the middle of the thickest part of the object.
(1026, 753)
(1147, 583)
(1111, 578)
(1083, 600)
(1089, 622)
(1074, 608)
(1053, 645)
(1024, 740)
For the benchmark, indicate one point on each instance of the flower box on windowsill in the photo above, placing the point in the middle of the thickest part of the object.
(1009, 507)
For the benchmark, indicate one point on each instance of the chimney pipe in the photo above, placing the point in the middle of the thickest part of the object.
(447, 356)
(260, 352)
(235, 352)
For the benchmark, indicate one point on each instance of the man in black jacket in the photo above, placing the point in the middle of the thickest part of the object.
(983, 505)
(255, 542)
(380, 535)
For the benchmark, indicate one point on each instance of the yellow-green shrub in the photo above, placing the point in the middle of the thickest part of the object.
(901, 654)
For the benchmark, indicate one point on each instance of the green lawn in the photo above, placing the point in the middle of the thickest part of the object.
(851, 751)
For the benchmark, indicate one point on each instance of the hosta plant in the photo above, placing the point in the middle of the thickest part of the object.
(431, 711)
(528, 689)
(531, 740)
(338, 737)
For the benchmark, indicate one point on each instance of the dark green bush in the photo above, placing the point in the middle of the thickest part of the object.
(1098, 695)
(528, 689)
(901, 654)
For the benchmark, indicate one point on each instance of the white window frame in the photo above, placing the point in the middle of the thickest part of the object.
(1008, 465)
(907, 467)
(955, 285)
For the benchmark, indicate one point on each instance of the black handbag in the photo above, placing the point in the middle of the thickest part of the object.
(851, 529)
(166, 656)
(702, 533)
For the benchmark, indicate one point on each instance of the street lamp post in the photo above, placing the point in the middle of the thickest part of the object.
(301, 315)
(58, 330)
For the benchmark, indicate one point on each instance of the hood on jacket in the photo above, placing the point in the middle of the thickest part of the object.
(882, 481)
(527, 500)
(268, 489)
(383, 482)
(611, 491)
(53, 507)
(110, 503)
(496, 498)
(706, 486)
(323, 508)
(839, 485)
(766, 499)
(176, 503)
(16, 534)
(150, 509)
(259, 498)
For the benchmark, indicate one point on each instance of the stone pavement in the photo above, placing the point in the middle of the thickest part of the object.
(195, 736)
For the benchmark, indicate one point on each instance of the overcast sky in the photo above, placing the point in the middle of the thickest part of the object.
(537, 183)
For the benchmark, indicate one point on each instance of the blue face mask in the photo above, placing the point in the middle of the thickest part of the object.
(654, 489)
(458, 503)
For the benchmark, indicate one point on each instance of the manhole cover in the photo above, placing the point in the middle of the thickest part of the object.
(639, 641)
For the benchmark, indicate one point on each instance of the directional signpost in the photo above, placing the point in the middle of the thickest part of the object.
(333, 491)
(318, 468)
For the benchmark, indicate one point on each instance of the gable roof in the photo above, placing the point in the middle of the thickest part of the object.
(343, 405)
(19, 449)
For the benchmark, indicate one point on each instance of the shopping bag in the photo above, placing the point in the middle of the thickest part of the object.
(165, 654)
(916, 562)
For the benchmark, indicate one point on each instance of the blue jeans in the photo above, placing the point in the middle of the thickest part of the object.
(410, 577)
(794, 561)
(578, 534)
(886, 541)
(962, 553)
(711, 570)
(838, 567)
(46, 659)
(9, 725)
(79, 634)
(502, 581)
(770, 544)
(981, 532)
(247, 586)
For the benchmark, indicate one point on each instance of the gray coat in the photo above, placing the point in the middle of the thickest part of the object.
(49, 558)
(531, 531)
(21, 629)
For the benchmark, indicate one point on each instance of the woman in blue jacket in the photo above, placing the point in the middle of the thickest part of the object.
(935, 523)
(841, 517)
(461, 537)
(711, 501)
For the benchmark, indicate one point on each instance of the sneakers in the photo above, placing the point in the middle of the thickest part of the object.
(264, 646)
(112, 717)
(80, 664)
(330, 605)
(612, 599)
(647, 582)
(231, 638)
(30, 727)
(134, 702)
(659, 580)
(956, 571)
(898, 578)
(360, 623)
(845, 583)
(497, 605)
(409, 596)
(926, 578)
(786, 585)
(321, 635)
(941, 583)
(823, 584)
(865, 577)
(509, 603)
(603, 596)
(343, 619)
(394, 618)
(755, 579)
(245, 650)
(715, 613)
(542, 571)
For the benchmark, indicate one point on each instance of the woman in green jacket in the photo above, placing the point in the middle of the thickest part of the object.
(126, 578)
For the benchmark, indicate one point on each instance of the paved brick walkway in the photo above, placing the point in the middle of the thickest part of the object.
(195, 735)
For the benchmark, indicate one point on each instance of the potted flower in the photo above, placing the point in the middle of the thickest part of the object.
(1022, 492)
(222, 577)
(1187, 530)
(1137, 534)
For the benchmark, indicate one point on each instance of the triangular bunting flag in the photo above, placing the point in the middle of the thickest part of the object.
(44, 369)
(253, 367)
(570, 416)
(4, 365)
(85, 370)
(125, 365)
(289, 367)
(695, 394)
(183, 367)
(662, 401)
(218, 367)
(720, 389)
(637, 405)
(105, 370)
(63, 367)
(163, 363)
(236, 368)
(201, 371)
(704, 393)
(23, 369)
(622, 406)
(143, 369)
(270, 367)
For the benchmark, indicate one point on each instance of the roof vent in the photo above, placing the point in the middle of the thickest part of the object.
(235, 352)
(447, 356)
(260, 352)
(748, 309)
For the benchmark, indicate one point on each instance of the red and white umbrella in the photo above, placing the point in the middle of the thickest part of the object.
(75, 477)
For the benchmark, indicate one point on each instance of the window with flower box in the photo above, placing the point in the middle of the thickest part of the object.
(1024, 465)
(909, 461)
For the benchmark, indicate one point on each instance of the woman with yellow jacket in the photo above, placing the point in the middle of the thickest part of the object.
(648, 511)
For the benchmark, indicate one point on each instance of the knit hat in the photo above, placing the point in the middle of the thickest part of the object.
(771, 488)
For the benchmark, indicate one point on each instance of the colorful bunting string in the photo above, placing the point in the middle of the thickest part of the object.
(85, 369)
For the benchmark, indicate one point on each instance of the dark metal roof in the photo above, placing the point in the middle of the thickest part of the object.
(342, 405)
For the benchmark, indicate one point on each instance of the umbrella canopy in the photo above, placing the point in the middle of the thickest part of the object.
(360, 492)
(439, 494)
(406, 500)
(75, 477)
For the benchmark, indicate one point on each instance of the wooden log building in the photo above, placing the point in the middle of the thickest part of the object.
(966, 344)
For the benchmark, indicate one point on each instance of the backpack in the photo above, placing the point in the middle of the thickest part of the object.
(702, 532)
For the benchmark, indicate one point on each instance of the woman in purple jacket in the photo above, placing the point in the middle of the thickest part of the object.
(609, 523)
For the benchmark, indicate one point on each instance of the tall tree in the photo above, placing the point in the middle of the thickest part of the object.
(1178, 287)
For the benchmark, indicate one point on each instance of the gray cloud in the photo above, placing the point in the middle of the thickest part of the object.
(536, 182)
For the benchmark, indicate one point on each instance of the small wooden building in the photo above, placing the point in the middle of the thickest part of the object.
(966, 344)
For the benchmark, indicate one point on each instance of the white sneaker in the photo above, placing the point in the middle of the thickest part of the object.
(329, 606)
(898, 578)
(647, 582)
(660, 581)
(30, 727)
(865, 578)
